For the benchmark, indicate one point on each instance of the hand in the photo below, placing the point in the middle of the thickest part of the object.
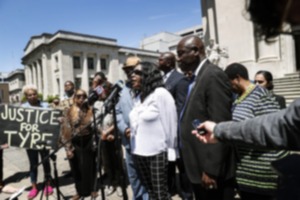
(127, 132)
(4, 146)
(207, 182)
(110, 137)
(60, 119)
(103, 135)
(70, 154)
(209, 136)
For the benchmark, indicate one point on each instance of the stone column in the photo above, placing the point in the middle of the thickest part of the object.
(45, 75)
(28, 75)
(34, 78)
(98, 63)
(39, 77)
(84, 76)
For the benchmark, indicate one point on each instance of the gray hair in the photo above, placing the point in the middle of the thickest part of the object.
(29, 87)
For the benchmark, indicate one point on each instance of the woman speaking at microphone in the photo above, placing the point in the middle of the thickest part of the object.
(153, 122)
(80, 151)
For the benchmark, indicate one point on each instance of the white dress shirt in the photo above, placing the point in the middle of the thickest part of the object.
(153, 124)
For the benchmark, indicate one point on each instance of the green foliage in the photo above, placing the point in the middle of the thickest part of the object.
(50, 98)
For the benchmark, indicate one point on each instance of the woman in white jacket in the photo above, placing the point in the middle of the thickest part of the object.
(153, 122)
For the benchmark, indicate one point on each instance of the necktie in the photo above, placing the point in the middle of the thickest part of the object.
(182, 111)
(187, 96)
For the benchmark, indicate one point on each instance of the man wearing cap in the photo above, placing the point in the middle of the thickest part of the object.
(123, 109)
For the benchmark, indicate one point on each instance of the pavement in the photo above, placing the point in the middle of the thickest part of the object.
(16, 168)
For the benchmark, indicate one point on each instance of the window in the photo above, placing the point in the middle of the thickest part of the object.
(77, 83)
(58, 85)
(56, 62)
(76, 62)
(103, 64)
(90, 63)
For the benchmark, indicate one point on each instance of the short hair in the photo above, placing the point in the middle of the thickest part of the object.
(29, 87)
(151, 78)
(236, 69)
(71, 82)
(101, 74)
(269, 78)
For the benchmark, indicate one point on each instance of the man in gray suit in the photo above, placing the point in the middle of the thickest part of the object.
(123, 109)
(210, 168)
(177, 84)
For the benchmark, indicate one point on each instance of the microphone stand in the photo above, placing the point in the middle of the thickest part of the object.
(98, 159)
(44, 151)
(58, 192)
(118, 149)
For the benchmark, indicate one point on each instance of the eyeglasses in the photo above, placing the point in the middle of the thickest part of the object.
(128, 70)
(259, 82)
(78, 96)
(137, 72)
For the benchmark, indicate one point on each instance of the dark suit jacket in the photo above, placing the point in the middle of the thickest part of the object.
(177, 84)
(281, 101)
(210, 99)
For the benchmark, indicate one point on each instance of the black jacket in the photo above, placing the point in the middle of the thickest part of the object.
(210, 99)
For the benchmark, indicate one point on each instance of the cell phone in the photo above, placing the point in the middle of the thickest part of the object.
(196, 123)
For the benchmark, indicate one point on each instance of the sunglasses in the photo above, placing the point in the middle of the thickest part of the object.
(259, 82)
(78, 96)
(137, 72)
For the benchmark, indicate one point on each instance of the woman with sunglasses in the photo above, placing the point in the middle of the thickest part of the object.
(153, 122)
(80, 150)
(265, 80)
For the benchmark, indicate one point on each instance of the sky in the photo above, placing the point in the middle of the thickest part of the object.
(128, 21)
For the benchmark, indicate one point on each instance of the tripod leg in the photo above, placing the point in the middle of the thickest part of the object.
(55, 181)
(42, 193)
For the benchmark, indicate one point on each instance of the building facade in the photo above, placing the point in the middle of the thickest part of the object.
(166, 41)
(51, 59)
(227, 23)
(4, 93)
(16, 81)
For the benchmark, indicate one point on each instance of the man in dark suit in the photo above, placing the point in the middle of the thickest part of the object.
(177, 84)
(210, 168)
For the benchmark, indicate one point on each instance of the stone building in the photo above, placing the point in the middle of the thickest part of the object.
(166, 41)
(51, 59)
(227, 23)
(4, 93)
(16, 81)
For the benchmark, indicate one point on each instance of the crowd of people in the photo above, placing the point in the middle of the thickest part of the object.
(153, 120)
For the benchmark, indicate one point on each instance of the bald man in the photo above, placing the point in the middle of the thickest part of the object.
(177, 84)
(210, 168)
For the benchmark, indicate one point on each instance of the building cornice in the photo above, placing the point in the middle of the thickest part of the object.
(87, 39)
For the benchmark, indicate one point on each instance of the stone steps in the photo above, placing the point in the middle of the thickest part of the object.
(288, 86)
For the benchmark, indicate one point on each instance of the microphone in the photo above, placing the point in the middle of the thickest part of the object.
(109, 102)
(45, 143)
(94, 95)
